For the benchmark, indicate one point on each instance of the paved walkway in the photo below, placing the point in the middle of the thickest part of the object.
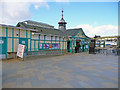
(69, 71)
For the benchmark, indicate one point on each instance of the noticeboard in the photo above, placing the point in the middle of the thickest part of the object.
(40, 46)
(20, 51)
(49, 46)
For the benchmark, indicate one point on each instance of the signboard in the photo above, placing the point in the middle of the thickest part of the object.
(20, 51)
(43, 46)
(47, 46)
(40, 46)
(53, 46)
(56, 46)
(1, 41)
(23, 42)
(87, 46)
(50, 46)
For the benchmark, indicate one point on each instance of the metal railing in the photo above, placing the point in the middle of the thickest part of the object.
(47, 52)
(108, 51)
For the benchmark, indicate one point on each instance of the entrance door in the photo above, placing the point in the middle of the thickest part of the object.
(78, 46)
(68, 46)
(3, 48)
(24, 41)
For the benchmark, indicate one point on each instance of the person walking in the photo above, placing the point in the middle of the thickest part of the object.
(83, 47)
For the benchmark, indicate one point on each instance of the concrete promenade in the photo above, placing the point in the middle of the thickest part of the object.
(69, 71)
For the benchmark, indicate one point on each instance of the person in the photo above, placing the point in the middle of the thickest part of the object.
(77, 47)
(83, 47)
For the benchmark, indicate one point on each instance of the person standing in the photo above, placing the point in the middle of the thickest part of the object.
(83, 47)
(78, 47)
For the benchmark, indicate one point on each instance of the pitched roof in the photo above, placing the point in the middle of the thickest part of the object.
(29, 22)
(53, 31)
(3, 25)
(72, 32)
(44, 30)
(23, 24)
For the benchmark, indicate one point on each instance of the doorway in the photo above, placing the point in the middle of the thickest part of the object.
(68, 46)
(77, 48)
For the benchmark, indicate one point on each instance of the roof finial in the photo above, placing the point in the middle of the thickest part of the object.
(62, 13)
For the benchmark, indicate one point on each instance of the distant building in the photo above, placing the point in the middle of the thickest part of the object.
(97, 36)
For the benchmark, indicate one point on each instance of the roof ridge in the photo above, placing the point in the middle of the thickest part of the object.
(36, 26)
(37, 22)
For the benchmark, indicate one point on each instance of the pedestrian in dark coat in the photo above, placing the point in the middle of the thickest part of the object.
(83, 47)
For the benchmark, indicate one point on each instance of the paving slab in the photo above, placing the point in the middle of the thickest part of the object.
(81, 70)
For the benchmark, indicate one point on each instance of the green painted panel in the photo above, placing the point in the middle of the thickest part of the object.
(3, 49)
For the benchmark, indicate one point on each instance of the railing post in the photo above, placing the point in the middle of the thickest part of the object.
(70, 44)
(63, 46)
(74, 46)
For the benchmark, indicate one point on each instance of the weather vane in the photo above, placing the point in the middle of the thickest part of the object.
(62, 12)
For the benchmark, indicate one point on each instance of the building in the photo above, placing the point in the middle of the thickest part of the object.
(97, 36)
(40, 39)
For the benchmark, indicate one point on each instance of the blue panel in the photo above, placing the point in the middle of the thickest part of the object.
(3, 43)
(3, 47)
(0, 45)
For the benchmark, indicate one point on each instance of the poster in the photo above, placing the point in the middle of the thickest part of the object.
(53, 46)
(43, 46)
(50, 46)
(20, 51)
(47, 46)
(1, 41)
(56, 46)
(40, 46)
(86, 46)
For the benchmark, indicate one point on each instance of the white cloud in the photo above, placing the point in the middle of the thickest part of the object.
(36, 6)
(104, 30)
(13, 11)
(88, 0)
(41, 4)
(62, 0)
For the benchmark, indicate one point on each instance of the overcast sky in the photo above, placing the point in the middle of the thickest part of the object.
(96, 18)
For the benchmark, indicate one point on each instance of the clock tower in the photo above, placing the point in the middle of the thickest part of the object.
(62, 23)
